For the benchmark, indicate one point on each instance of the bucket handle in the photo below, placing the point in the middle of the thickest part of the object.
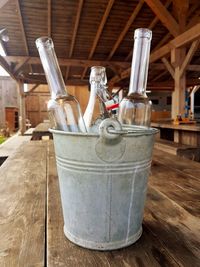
(112, 128)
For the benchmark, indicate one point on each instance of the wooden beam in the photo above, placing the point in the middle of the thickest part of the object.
(193, 68)
(3, 3)
(151, 26)
(99, 31)
(164, 15)
(75, 30)
(181, 40)
(20, 65)
(162, 42)
(126, 28)
(7, 67)
(168, 66)
(163, 73)
(189, 56)
(156, 19)
(33, 88)
(22, 27)
(49, 18)
(72, 62)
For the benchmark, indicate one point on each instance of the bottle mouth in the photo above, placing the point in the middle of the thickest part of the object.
(98, 74)
(44, 41)
(143, 33)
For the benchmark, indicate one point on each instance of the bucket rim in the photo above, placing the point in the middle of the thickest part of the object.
(127, 130)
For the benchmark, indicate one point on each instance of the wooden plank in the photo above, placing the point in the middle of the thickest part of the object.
(22, 206)
(165, 17)
(99, 31)
(20, 65)
(126, 28)
(191, 168)
(177, 186)
(146, 252)
(177, 230)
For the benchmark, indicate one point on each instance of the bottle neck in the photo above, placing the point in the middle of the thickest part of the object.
(139, 67)
(51, 68)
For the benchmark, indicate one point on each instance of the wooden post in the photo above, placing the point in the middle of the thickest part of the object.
(22, 111)
(178, 95)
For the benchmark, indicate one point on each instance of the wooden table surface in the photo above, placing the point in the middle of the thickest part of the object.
(31, 223)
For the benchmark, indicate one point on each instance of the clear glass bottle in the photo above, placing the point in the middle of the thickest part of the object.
(64, 110)
(135, 109)
(98, 82)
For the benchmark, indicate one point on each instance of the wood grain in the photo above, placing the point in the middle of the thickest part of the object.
(177, 230)
(22, 207)
(148, 251)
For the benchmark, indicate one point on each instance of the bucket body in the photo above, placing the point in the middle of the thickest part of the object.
(103, 184)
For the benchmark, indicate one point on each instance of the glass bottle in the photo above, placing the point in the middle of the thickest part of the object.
(64, 110)
(135, 109)
(98, 82)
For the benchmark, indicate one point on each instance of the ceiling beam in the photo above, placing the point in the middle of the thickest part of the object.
(168, 66)
(151, 26)
(75, 30)
(189, 56)
(7, 67)
(181, 40)
(164, 15)
(71, 62)
(33, 88)
(99, 31)
(163, 73)
(126, 28)
(20, 65)
(22, 27)
(49, 18)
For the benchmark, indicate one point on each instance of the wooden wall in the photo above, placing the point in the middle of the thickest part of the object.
(36, 102)
(8, 97)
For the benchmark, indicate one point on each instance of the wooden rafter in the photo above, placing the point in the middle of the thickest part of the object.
(71, 61)
(164, 15)
(181, 40)
(20, 65)
(22, 27)
(99, 31)
(7, 67)
(75, 30)
(49, 17)
(151, 26)
(162, 41)
(126, 28)
(33, 88)
(189, 56)
(168, 66)
(163, 73)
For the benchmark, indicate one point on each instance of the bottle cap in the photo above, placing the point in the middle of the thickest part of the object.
(143, 33)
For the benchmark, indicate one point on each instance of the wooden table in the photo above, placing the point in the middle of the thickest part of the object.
(31, 223)
(41, 130)
(186, 134)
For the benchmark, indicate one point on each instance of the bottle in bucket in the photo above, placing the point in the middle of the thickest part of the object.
(64, 110)
(98, 91)
(135, 109)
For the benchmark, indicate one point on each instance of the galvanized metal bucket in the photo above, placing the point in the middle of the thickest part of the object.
(103, 183)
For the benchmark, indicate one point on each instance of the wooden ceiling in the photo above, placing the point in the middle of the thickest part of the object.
(100, 32)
